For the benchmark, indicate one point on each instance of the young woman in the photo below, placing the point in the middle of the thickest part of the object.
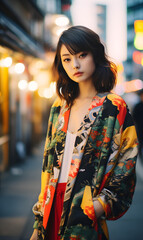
(88, 172)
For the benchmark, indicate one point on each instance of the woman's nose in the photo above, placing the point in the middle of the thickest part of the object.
(76, 64)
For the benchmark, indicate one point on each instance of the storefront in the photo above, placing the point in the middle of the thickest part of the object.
(26, 94)
(4, 113)
(27, 88)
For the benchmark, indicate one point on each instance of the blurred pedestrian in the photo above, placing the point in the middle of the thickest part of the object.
(88, 172)
(138, 118)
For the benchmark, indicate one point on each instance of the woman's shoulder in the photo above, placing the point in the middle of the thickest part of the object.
(58, 103)
(116, 99)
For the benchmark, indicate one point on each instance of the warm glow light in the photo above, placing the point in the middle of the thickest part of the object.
(11, 70)
(47, 92)
(138, 41)
(138, 26)
(133, 85)
(19, 68)
(23, 84)
(36, 65)
(53, 87)
(129, 86)
(6, 62)
(120, 68)
(137, 57)
(41, 92)
(32, 86)
(62, 21)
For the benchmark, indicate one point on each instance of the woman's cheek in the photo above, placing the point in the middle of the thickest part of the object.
(67, 70)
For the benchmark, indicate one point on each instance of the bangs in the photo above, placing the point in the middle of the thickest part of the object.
(75, 44)
(74, 48)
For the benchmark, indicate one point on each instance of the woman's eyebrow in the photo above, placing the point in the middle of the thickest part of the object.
(65, 54)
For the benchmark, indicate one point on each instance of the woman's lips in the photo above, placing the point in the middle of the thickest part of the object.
(77, 74)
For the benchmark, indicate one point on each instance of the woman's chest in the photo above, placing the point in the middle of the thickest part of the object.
(76, 117)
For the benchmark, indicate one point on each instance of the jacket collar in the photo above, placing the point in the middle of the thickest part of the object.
(63, 118)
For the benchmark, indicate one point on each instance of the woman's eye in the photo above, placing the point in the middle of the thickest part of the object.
(83, 55)
(66, 60)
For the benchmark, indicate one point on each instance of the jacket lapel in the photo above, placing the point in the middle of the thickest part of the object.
(60, 137)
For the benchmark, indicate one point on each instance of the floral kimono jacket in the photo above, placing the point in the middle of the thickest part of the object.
(102, 167)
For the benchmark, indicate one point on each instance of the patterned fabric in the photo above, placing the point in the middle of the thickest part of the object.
(102, 167)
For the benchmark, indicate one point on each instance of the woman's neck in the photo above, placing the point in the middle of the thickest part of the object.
(86, 90)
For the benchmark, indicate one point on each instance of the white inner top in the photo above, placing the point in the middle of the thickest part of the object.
(67, 157)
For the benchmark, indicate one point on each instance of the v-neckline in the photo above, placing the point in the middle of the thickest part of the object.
(98, 96)
(81, 122)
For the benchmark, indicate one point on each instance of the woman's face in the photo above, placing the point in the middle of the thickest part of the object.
(79, 67)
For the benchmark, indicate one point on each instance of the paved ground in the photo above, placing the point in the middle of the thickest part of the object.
(130, 226)
(19, 190)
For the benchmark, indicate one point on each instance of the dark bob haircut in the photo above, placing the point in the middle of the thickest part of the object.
(78, 39)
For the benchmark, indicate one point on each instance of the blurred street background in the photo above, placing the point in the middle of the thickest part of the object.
(29, 31)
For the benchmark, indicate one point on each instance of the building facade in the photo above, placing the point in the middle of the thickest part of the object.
(26, 84)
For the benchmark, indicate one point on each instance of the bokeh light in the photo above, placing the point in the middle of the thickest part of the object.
(19, 68)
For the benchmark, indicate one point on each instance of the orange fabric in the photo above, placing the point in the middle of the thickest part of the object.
(48, 205)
